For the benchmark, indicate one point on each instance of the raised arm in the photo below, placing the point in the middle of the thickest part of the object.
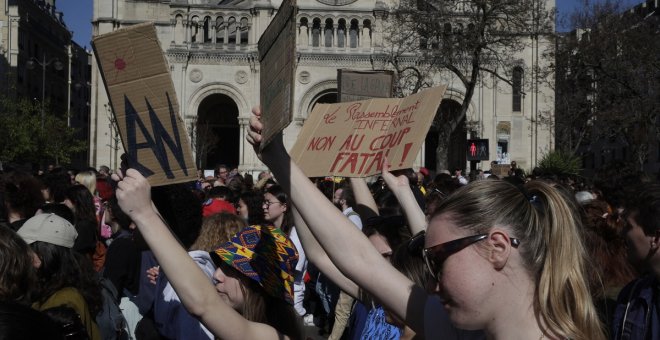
(363, 196)
(196, 293)
(318, 256)
(400, 187)
(343, 242)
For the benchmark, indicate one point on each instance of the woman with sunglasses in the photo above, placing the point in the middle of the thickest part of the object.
(510, 263)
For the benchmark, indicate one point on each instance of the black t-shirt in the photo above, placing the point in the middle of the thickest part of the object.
(122, 264)
(86, 241)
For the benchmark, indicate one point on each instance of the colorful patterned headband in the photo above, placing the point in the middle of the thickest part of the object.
(264, 254)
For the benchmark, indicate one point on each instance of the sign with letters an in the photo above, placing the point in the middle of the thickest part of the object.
(353, 139)
(142, 97)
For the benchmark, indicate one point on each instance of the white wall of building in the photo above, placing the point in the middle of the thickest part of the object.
(202, 69)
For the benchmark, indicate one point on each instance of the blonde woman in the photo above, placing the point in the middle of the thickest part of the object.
(510, 262)
(88, 179)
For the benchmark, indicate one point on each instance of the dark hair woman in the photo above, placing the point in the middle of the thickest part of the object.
(81, 202)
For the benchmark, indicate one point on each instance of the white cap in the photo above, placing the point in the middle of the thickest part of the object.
(48, 228)
(583, 197)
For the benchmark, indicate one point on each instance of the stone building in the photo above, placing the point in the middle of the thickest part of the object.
(38, 60)
(211, 47)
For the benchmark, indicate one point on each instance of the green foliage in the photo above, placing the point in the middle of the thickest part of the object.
(22, 138)
(560, 163)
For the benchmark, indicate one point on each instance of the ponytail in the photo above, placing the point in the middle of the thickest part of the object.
(552, 250)
(563, 300)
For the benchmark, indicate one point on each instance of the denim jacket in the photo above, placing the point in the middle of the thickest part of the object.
(636, 316)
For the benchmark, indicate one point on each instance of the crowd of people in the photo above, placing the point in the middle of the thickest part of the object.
(94, 254)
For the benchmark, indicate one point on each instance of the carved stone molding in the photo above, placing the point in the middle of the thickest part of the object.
(196, 75)
(304, 77)
(241, 77)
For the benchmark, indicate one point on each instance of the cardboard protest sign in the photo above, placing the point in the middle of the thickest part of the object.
(277, 51)
(353, 139)
(361, 85)
(144, 104)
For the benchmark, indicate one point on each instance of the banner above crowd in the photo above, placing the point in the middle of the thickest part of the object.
(353, 139)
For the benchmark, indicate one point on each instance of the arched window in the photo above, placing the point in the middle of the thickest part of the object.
(220, 30)
(341, 33)
(328, 32)
(207, 29)
(194, 27)
(366, 33)
(516, 84)
(353, 34)
(303, 35)
(244, 31)
(316, 32)
(179, 31)
(232, 27)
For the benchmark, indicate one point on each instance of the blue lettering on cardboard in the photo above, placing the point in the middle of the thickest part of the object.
(155, 141)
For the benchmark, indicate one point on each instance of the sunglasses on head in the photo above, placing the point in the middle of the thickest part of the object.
(435, 256)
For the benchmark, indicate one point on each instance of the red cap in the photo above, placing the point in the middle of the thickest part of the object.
(215, 206)
(424, 171)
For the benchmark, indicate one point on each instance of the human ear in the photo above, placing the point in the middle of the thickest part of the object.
(500, 248)
(36, 261)
(655, 241)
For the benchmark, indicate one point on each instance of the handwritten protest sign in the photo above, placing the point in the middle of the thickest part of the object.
(361, 85)
(144, 104)
(353, 139)
(277, 51)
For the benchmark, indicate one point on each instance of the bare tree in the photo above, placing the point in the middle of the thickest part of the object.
(608, 80)
(203, 140)
(466, 40)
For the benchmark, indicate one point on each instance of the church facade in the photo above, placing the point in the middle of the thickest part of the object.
(211, 48)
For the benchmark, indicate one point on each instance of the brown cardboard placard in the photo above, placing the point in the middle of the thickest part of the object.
(277, 51)
(353, 139)
(355, 85)
(143, 100)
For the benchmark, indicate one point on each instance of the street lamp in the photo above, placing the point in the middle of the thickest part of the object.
(57, 64)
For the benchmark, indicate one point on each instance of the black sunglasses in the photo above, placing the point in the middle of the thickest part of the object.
(435, 256)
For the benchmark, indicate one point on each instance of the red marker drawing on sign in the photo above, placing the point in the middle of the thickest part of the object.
(406, 149)
(120, 64)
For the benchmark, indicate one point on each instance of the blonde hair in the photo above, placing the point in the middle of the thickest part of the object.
(551, 245)
(216, 230)
(87, 179)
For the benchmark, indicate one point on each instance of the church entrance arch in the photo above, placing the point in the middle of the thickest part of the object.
(218, 132)
(325, 97)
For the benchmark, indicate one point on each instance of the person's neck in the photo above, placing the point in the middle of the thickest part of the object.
(278, 221)
(516, 319)
(654, 264)
(13, 216)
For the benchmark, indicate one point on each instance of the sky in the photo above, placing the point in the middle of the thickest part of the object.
(78, 16)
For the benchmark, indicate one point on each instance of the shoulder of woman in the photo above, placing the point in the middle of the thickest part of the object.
(68, 296)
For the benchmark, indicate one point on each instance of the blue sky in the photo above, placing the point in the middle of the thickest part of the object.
(78, 15)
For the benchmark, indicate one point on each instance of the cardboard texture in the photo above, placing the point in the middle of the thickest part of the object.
(353, 139)
(277, 51)
(501, 170)
(144, 104)
(362, 85)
